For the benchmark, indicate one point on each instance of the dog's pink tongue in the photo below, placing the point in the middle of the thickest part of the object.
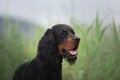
(73, 52)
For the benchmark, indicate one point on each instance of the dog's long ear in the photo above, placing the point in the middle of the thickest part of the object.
(47, 48)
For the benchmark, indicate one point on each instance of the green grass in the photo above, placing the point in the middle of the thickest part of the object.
(98, 57)
(99, 50)
(11, 51)
(14, 50)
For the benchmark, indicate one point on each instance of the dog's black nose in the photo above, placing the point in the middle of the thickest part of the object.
(77, 40)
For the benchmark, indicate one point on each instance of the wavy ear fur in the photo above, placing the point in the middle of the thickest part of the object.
(47, 48)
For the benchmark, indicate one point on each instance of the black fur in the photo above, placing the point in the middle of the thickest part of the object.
(47, 65)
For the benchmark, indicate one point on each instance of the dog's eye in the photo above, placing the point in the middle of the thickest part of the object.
(73, 32)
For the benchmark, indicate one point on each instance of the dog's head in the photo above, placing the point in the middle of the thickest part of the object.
(67, 42)
(59, 41)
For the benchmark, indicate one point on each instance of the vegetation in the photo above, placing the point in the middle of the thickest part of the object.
(98, 57)
(11, 51)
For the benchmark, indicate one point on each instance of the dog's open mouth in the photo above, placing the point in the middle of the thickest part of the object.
(70, 53)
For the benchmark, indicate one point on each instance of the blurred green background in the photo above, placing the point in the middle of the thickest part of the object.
(98, 58)
(23, 23)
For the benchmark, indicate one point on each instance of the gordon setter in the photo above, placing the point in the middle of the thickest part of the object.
(58, 43)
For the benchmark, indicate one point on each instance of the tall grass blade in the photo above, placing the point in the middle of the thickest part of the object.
(80, 29)
(98, 26)
(90, 28)
(115, 34)
(101, 34)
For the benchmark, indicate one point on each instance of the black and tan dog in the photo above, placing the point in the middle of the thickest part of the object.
(57, 43)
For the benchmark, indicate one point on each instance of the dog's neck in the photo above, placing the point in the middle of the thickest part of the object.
(57, 60)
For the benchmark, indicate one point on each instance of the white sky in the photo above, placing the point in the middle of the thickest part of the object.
(48, 11)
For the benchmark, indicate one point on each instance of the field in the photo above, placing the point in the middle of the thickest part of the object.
(98, 58)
